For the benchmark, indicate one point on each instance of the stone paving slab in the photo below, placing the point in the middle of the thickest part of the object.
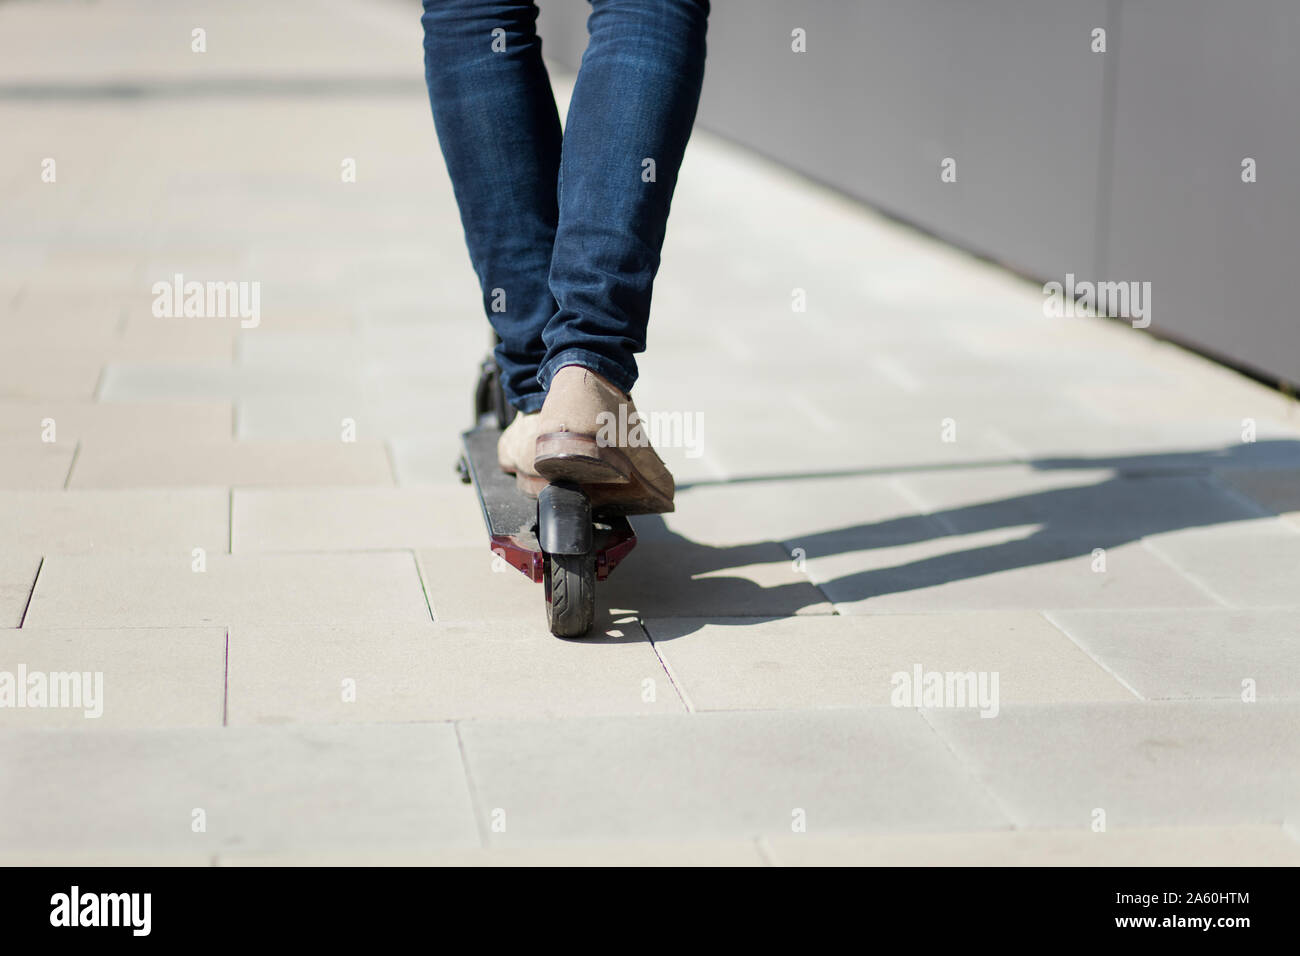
(1203, 763)
(261, 789)
(791, 511)
(430, 460)
(81, 858)
(146, 340)
(221, 381)
(1206, 653)
(345, 45)
(356, 519)
(1255, 566)
(1144, 448)
(441, 671)
(146, 591)
(31, 373)
(148, 677)
(1010, 327)
(824, 351)
(24, 421)
(671, 576)
(958, 373)
(160, 463)
(310, 351)
(69, 522)
(473, 584)
(713, 853)
(43, 297)
(1138, 846)
(17, 575)
(746, 448)
(405, 416)
(833, 661)
(1226, 397)
(125, 335)
(886, 396)
(26, 464)
(978, 346)
(1276, 490)
(719, 776)
(1080, 502)
(410, 348)
(997, 570)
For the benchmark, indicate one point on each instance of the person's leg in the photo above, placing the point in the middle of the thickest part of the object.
(500, 135)
(633, 106)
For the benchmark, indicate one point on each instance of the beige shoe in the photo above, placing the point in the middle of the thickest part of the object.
(515, 447)
(589, 434)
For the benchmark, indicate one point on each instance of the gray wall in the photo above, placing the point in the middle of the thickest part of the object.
(1123, 165)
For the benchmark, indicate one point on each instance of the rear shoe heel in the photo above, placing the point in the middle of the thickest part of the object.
(565, 456)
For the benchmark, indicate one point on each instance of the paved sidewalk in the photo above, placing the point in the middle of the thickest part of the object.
(307, 654)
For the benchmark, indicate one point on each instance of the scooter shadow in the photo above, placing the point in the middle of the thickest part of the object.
(669, 575)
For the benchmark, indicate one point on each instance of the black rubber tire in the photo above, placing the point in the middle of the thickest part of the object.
(569, 582)
(485, 391)
(505, 411)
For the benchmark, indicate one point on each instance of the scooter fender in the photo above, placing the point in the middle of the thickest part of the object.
(564, 519)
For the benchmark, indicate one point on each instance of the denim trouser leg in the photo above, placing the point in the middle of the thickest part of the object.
(633, 106)
(565, 239)
(500, 135)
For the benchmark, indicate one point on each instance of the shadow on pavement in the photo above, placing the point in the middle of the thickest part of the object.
(673, 576)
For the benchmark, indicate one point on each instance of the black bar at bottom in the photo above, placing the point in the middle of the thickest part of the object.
(1166, 906)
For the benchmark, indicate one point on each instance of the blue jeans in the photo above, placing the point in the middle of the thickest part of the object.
(564, 232)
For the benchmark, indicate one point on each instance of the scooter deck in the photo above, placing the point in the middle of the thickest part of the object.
(511, 516)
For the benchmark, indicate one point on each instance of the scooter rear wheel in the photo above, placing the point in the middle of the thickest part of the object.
(570, 584)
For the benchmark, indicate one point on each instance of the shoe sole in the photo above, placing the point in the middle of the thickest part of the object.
(605, 474)
(564, 456)
(630, 498)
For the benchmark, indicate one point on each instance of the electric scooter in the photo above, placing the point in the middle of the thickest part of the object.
(557, 539)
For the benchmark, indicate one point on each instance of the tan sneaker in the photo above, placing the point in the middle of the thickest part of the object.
(515, 446)
(589, 434)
